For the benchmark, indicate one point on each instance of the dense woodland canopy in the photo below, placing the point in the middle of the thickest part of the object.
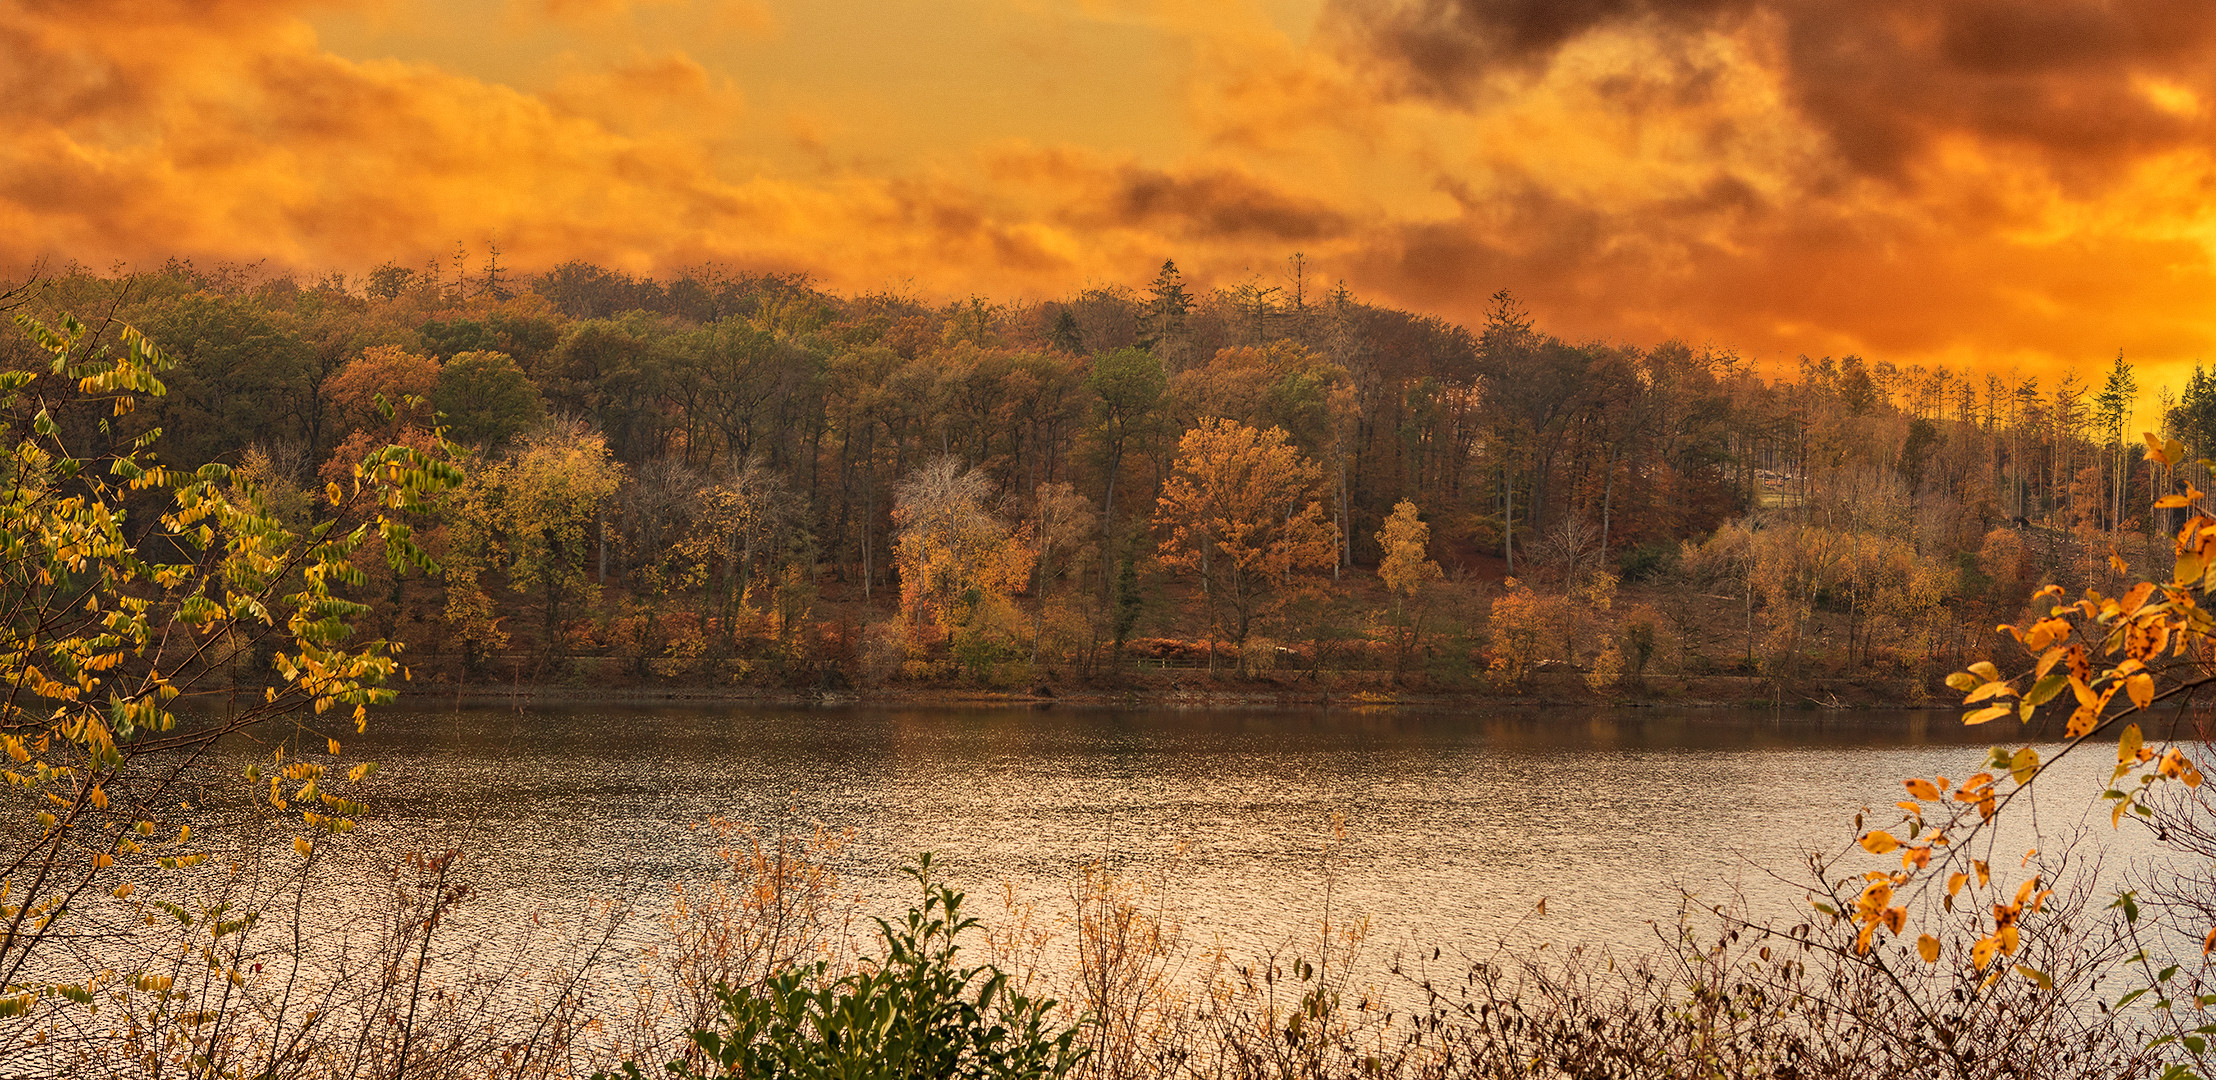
(738, 476)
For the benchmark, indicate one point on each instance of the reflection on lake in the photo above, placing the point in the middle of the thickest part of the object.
(1457, 821)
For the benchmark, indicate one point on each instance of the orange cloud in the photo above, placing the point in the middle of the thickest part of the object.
(1985, 181)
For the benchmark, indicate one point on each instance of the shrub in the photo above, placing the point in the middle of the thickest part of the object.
(916, 1014)
(1647, 561)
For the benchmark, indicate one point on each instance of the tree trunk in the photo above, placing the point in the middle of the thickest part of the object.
(1508, 518)
(1607, 493)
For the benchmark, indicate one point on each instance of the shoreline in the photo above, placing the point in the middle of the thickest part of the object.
(1563, 691)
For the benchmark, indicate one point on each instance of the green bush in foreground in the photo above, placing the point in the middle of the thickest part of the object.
(916, 1014)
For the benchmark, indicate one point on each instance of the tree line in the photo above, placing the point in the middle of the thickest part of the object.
(743, 475)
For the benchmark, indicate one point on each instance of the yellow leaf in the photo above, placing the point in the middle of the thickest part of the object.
(2023, 765)
(1990, 712)
(2141, 689)
(1955, 881)
(2084, 719)
(1981, 953)
(2035, 975)
(1962, 681)
(1928, 947)
(2127, 747)
(1989, 690)
(301, 846)
(1921, 789)
(1878, 842)
(1985, 670)
(334, 744)
(2157, 451)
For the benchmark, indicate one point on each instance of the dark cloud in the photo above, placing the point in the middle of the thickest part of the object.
(1883, 79)
(1218, 204)
(1444, 48)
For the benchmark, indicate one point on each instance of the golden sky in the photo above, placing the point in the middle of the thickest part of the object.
(1999, 183)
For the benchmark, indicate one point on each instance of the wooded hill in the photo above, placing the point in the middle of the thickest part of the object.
(734, 478)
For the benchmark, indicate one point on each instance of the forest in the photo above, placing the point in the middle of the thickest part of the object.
(734, 479)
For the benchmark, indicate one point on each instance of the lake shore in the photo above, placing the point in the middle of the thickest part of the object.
(1196, 689)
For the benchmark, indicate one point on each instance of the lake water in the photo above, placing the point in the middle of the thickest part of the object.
(1457, 822)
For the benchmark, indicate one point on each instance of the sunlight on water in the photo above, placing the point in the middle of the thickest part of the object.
(1458, 822)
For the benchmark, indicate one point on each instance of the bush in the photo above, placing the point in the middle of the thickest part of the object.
(1647, 561)
(916, 1014)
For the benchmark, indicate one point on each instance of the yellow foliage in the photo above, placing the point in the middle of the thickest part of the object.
(959, 562)
(1405, 539)
(1523, 622)
(1242, 508)
(1407, 571)
(249, 586)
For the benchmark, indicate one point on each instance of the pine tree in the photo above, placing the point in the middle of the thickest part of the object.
(2194, 418)
(1066, 336)
(1167, 305)
(2114, 407)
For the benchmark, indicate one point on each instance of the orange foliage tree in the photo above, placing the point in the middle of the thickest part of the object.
(404, 380)
(1242, 507)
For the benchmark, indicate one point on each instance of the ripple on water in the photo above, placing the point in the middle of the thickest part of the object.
(1457, 821)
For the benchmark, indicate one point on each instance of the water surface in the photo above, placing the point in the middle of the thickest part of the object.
(1456, 822)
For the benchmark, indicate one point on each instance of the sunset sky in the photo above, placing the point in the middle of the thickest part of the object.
(2001, 183)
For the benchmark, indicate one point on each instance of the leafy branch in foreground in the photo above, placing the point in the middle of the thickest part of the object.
(133, 594)
(2153, 644)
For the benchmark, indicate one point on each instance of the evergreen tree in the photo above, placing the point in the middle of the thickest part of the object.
(1066, 336)
(1167, 304)
(2114, 406)
(2194, 418)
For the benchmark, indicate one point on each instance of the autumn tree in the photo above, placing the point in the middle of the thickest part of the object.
(1242, 509)
(531, 515)
(1522, 625)
(960, 563)
(1408, 574)
(402, 380)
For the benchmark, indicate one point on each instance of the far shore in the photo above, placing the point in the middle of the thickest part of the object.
(1227, 690)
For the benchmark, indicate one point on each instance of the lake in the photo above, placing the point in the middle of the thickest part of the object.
(1457, 822)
